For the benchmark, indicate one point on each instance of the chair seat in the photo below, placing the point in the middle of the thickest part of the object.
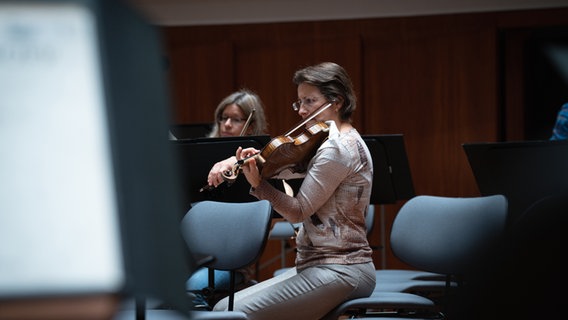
(281, 230)
(397, 299)
(378, 301)
(151, 314)
(411, 286)
(217, 315)
(280, 271)
(398, 274)
(159, 314)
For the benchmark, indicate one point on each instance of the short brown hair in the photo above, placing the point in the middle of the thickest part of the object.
(333, 82)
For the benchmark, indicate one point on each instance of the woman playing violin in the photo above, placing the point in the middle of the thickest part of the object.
(333, 260)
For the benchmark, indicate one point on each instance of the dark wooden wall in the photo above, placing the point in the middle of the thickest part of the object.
(440, 80)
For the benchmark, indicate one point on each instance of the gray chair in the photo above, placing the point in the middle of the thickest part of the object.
(234, 234)
(444, 235)
(226, 236)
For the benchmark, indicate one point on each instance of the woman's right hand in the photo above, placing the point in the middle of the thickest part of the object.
(215, 176)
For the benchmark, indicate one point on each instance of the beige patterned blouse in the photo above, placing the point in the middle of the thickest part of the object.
(331, 202)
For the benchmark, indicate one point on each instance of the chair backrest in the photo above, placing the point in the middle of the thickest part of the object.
(234, 234)
(448, 235)
(531, 265)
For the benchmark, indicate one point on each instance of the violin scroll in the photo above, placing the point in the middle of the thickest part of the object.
(229, 176)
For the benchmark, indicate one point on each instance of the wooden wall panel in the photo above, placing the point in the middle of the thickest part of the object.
(434, 88)
(269, 69)
(278, 92)
(439, 80)
(438, 88)
(201, 76)
(513, 59)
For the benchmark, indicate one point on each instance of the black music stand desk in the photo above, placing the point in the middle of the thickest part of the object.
(523, 171)
(392, 180)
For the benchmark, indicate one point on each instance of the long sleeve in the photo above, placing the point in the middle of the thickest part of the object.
(331, 203)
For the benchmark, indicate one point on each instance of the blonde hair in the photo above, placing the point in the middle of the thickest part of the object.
(247, 101)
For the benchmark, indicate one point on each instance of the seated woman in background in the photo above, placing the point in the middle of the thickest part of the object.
(230, 117)
(232, 114)
(560, 130)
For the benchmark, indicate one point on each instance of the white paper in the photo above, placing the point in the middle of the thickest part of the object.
(59, 230)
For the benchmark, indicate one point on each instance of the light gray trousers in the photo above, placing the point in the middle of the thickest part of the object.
(309, 294)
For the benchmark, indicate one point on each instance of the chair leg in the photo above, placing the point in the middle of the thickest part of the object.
(282, 253)
(140, 305)
(447, 294)
(232, 290)
(211, 277)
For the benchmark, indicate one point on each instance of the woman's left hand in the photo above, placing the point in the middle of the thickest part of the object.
(249, 168)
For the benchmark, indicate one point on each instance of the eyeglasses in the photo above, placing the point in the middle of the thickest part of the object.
(224, 119)
(308, 102)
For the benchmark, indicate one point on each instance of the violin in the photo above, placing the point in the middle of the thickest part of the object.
(285, 152)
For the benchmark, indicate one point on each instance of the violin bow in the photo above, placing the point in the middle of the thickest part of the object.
(313, 115)
(245, 127)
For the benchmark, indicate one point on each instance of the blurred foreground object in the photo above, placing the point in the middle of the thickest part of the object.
(89, 201)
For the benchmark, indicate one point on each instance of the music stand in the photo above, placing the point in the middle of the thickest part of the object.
(191, 131)
(197, 156)
(392, 180)
(523, 171)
